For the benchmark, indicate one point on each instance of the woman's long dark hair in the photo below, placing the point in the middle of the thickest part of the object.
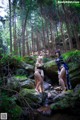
(58, 51)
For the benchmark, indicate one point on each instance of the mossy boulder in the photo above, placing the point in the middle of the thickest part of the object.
(29, 60)
(30, 95)
(73, 60)
(13, 83)
(74, 74)
(28, 68)
(50, 70)
(70, 102)
(28, 83)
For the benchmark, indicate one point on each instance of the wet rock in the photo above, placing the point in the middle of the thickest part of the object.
(59, 97)
(27, 66)
(46, 85)
(28, 84)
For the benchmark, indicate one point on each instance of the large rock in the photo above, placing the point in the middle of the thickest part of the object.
(50, 70)
(13, 83)
(75, 75)
(31, 96)
(28, 84)
(29, 68)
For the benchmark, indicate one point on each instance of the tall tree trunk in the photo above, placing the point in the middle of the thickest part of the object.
(74, 27)
(63, 38)
(52, 39)
(14, 31)
(24, 16)
(19, 42)
(23, 36)
(27, 44)
(44, 42)
(32, 37)
(47, 31)
(38, 42)
(10, 27)
(68, 27)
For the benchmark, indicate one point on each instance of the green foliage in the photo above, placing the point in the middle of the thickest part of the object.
(45, 59)
(8, 105)
(30, 59)
(8, 63)
(16, 112)
(73, 56)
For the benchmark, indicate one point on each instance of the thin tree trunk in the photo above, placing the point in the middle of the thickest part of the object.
(27, 44)
(76, 36)
(63, 38)
(38, 43)
(44, 42)
(25, 13)
(68, 27)
(52, 39)
(14, 32)
(10, 27)
(47, 31)
(32, 37)
(19, 42)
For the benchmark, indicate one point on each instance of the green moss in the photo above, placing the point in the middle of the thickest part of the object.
(29, 59)
(73, 55)
(27, 91)
(67, 102)
(50, 64)
(30, 96)
(21, 77)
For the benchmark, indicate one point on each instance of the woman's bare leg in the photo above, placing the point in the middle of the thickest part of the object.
(62, 81)
(39, 82)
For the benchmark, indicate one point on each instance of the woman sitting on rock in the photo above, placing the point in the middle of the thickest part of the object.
(63, 73)
(39, 74)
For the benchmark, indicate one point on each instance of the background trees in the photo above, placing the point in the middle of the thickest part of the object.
(41, 25)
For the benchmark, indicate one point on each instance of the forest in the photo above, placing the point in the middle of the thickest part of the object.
(29, 28)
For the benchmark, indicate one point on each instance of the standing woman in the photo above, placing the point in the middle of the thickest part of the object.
(63, 73)
(39, 74)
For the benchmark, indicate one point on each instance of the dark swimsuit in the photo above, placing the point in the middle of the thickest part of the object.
(60, 62)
